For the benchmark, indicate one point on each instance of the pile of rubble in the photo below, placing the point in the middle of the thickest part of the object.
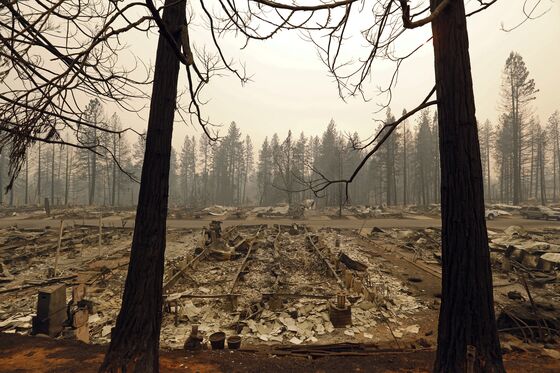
(283, 284)
(36, 260)
(380, 211)
(30, 245)
(535, 250)
(525, 275)
(280, 210)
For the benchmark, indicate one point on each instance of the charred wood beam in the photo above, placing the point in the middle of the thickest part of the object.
(326, 261)
(181, 272)
(251, 242)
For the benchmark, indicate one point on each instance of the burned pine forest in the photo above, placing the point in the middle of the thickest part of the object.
(273, 185)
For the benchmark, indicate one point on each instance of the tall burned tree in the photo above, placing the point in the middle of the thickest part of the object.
(93, 114)
(485, 135)
(188, 169)
(540, 180)
(248, 167)
(517, 91)
(204, 153)
(390, 150)
(264, 173)
(467, 309)
(553, 127)
(135, 338)
(284, 161)
(424, 158)
(115, 145)
(405, 161)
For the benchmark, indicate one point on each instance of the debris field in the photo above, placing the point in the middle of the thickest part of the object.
(277, 284)
(283, 285)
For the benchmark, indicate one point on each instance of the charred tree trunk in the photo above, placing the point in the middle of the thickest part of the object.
(541, 168)
(467, 309)
(135, 338)
(516, 149)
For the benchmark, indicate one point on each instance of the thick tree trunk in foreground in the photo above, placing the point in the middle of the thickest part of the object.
(467, 309)
(135, 338)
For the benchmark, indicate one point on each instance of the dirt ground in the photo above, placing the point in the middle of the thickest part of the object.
(42, 355)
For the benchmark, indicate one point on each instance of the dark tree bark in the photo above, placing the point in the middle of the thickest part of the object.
(467, 309)
(135, 338)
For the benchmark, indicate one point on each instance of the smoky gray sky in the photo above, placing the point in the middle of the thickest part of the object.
(291, 89)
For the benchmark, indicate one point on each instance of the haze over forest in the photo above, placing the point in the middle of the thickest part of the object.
(290, 87)
(291, 91)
